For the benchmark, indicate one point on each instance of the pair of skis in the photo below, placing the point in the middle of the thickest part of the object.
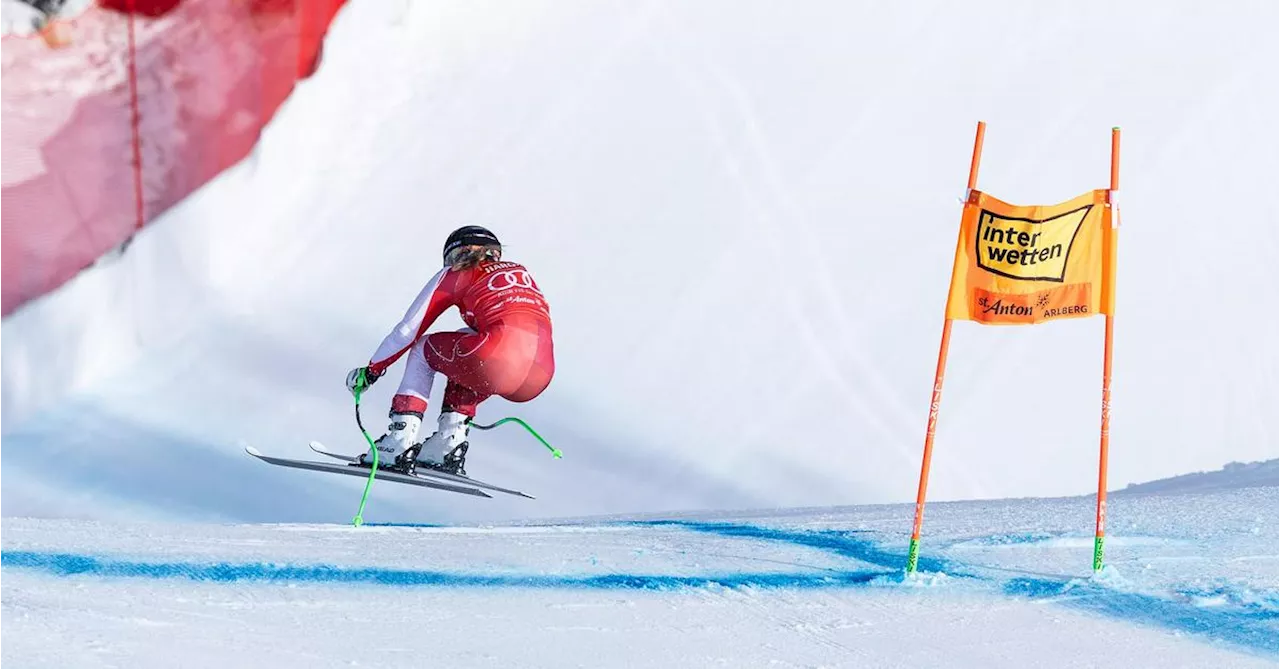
(426, 478)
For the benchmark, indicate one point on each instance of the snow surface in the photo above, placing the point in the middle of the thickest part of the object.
(1191, 581)
(744, 216)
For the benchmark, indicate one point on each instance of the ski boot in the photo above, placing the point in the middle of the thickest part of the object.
(446, 450)
(394, 447)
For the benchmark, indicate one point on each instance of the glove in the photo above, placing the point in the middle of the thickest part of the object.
(360, 378)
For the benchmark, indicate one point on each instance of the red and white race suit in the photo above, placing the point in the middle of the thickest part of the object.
(506, 350)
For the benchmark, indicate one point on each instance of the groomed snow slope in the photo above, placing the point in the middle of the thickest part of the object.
(743, 215)
(1191, 582)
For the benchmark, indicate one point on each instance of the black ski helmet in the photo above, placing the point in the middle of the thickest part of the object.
(469, 235)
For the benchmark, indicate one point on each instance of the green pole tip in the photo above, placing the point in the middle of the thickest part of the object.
(913, 555)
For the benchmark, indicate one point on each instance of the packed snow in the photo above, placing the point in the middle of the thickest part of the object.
(1190, 582)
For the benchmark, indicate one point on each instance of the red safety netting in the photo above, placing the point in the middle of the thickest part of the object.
(113, 116)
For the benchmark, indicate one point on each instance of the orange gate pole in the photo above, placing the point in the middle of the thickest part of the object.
(913, 553)
(1109, 292)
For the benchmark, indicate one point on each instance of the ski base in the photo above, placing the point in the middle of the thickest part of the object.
(353, 461)
(363, 472)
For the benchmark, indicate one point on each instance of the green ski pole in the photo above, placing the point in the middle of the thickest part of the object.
(360, 387)
(555, 452)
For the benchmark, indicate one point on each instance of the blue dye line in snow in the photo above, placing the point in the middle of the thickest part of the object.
(1241, 627)
(1257, 604)
(1254, 626)
(69, 564)
(845, 543)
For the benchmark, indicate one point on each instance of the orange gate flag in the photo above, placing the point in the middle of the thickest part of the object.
(1021, 265)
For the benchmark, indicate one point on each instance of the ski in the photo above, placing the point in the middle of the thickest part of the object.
(354, 462)
(363, 472)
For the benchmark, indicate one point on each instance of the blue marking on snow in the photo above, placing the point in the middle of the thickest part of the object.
(70, 564)
(1253, 622)
(1253, 603)
(1247, 620)
(1241, 627)
(845, 543)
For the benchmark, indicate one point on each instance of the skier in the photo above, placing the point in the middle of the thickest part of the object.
(506, 350)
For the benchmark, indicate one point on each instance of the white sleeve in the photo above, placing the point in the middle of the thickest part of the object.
(428, 306)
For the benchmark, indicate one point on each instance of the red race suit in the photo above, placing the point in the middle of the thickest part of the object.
(506, 350)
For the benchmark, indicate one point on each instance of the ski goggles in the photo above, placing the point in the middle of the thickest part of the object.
(471, 252)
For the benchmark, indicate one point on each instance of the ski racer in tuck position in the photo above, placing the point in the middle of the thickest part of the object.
(506, 350)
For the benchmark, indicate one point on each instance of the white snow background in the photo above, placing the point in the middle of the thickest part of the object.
(743, 215)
